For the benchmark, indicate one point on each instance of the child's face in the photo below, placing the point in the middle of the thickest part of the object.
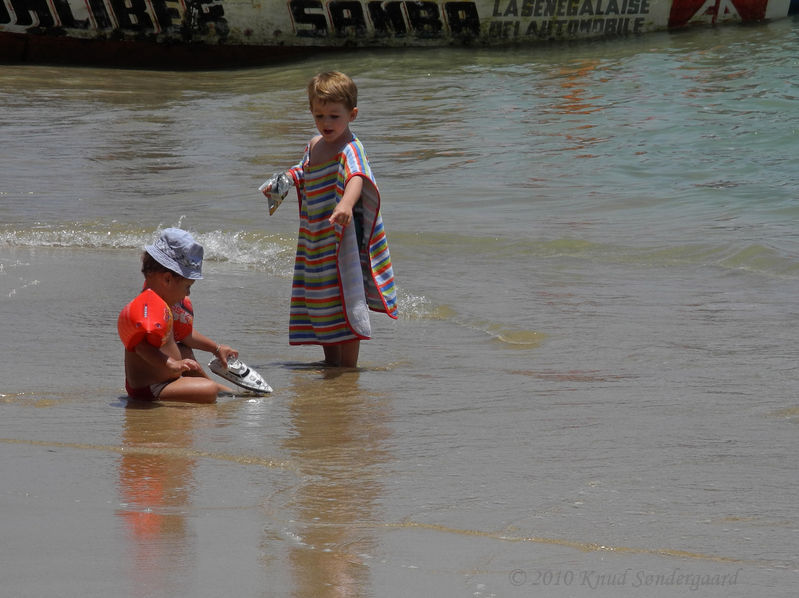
(177, 288)
(332, 119)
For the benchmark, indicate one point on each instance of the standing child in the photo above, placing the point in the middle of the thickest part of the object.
(157, 327)
(343, 267)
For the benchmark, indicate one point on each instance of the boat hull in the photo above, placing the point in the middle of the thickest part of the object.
(219, 33)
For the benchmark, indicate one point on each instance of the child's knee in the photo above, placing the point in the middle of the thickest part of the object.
(191, 389)
(208, 391)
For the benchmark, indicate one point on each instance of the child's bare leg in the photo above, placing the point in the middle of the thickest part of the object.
(190, 389)
(188, 353)
(349, 354)
(344, 355)
(204, 374)
(332, 354)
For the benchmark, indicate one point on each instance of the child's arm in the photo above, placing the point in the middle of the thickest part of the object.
(154, 357)
(199, 341)
(342, 214)
(276, 187)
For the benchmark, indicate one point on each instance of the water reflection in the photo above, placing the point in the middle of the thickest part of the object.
(339, 442)
(575, 81)
(156, 479)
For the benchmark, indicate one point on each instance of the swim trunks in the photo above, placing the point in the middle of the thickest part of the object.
(145, 393)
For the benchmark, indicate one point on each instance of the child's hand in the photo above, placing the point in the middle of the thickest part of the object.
(341, 215)
(225, 353)
(183, 365)
(275, 188)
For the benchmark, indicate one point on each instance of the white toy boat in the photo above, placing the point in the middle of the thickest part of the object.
(241, 374)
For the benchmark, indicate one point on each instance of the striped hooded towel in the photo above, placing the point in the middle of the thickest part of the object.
(339, 274)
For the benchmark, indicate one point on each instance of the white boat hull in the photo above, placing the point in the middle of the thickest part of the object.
(206, 33)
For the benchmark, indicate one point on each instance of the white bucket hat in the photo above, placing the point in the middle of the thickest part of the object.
(177, 250)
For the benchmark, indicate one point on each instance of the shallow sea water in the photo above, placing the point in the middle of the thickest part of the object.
(590, 390)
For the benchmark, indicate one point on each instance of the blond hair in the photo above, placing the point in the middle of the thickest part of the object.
(335, 87)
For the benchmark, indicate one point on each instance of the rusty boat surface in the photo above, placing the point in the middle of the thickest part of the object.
(229, 33)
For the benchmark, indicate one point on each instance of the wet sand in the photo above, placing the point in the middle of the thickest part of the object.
(341, 484)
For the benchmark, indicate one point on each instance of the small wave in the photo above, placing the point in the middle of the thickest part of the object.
(788, 413)
(512, 337)
(415, 307)
(74, 237)
(571, 375)
(758, 258)
(274, 252)
(162, 451)
(249, 249)
(584, 546)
